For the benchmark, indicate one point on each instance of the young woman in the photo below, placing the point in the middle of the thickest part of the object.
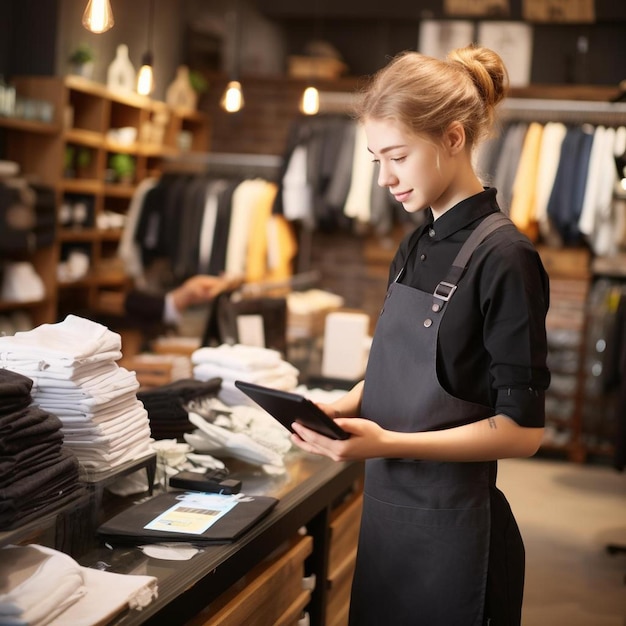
(457, 370)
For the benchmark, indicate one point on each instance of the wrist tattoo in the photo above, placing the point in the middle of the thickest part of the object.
(492, 423)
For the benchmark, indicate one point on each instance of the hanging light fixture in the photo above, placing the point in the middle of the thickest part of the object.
(98, 16)
(145, 77)
(232, 99)
(310, 102)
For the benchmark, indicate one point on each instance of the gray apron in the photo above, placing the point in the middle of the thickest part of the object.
(424, 544)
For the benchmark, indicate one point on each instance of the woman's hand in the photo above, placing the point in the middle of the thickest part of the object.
(367, 439)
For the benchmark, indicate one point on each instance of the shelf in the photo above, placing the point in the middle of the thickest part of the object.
(84, 112)
(83, 137)
(157, 151)
(119, 190)
(15, 304)
(77, 235)
(78, 185)
(112, 234)
(30, 126)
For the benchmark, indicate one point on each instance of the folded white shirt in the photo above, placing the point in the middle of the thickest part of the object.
(40, 586)
(74, 340)
(237, 356)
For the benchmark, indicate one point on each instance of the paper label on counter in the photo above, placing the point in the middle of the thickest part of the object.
(194, 514)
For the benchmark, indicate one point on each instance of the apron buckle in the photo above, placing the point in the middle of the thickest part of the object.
(444, 290)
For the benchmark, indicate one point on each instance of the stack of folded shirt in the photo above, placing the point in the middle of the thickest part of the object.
(36, 474)
(262, 366)
(168, 405)
(40, 586)
(72, 365)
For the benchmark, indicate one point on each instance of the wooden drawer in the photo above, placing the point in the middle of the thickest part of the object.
(272, 593)
(344, 533)
(338, 594)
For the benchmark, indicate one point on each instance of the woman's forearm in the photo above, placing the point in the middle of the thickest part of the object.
(497, 437)
(349, 405)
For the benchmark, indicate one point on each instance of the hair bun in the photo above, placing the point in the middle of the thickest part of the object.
(486, 69)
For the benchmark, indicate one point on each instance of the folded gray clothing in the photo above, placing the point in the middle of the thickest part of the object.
(39, 423)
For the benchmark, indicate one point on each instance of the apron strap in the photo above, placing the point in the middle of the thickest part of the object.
(444, 290)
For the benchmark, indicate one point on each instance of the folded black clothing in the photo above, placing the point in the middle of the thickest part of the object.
(186, 389)
(19, 457)
(166, 407)
(15, 388)
(48, 430)
(44, 479)
(129, 525)
(23, 443)
(12, 517)
(14, 403)
(18, 421)
(32, 463)
(14, 383)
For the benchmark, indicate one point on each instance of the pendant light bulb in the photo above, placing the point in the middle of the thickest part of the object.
(310, 103)
(98, 16)
(145, 78)
(232, 100)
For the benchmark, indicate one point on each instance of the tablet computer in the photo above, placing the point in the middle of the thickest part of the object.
(289, 407)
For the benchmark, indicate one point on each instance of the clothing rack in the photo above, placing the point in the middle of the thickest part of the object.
(572, 111)
(302, 280)
(336, 101)
(266, 166)
(225, 163)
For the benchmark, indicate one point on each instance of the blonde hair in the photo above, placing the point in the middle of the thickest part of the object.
(426, 94)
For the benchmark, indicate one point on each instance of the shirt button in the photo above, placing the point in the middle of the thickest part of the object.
(422, 257)
(431, 232)
(436, 307)
(428, 322)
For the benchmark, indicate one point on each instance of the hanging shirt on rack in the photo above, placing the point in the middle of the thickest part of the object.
(548, 163)
(567, 195)
(523, 199)
(595, 218)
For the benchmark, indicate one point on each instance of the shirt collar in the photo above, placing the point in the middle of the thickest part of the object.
(464, 213)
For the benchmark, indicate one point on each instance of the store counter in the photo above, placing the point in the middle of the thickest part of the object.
(309, 492)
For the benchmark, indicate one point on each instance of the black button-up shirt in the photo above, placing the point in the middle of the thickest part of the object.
(492, 341)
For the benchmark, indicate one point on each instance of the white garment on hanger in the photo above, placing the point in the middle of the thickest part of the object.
(244, 200)
(129, 250)
(358, 202)
(297, 192)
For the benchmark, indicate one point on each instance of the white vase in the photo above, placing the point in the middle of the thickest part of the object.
(121, 73)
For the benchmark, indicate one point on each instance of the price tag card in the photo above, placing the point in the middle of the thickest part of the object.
(193, 514)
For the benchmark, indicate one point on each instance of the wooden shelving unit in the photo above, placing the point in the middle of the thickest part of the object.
(84, 113)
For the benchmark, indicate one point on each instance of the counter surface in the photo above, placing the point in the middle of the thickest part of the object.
(310, 487)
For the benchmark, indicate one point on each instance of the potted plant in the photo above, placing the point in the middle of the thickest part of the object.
(124, 167)
(81, 60)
